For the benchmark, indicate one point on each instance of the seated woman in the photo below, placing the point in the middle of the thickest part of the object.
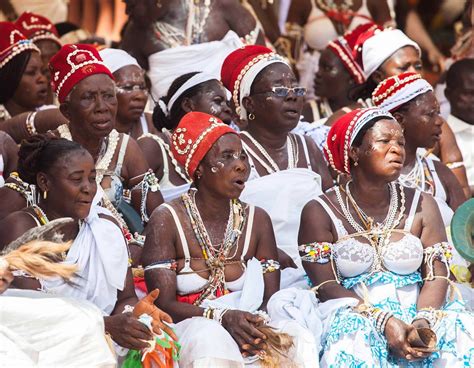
(64, 173)
(210, 270)
(337, 76)
(378, 257)
(413, 103)
(43, 33)
(191, 92)
(132, 93)
(22, 76)
(287, 170)
(86, 92)
(389, 53)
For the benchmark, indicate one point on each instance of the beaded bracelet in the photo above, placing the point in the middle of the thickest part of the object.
(269, 265)
(442, 252)
(215, 314)
(430, 314)
(30, 123)
(317, 252)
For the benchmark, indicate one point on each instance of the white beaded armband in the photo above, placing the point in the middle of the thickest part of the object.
(441, 252)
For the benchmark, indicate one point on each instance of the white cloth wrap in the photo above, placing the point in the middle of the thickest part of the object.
(283, 195)
(115, 59)
(381, 46)
(406, 94)
(190, 83)
(41, 330)
(207, 344)
(100, 253)
(167, 65)
(249, 77)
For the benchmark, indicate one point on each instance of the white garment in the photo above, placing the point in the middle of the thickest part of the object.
(169, 64)
(283, 195)
(464, 134)
(115, 59)
(203, 340)
(101, 254)
(40, 330)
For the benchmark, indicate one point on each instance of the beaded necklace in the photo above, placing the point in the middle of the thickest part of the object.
(292, 150)
(419, 177)
(103, 163)
(43, 219)
(216, 257)
(379, 234)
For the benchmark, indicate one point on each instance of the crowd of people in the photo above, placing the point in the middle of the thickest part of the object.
(228, 192)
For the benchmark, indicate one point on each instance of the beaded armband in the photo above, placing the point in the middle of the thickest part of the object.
(315, 252)
(455, 165)
(441, 252)
(167, 264)
(269, 265)
(149, 183)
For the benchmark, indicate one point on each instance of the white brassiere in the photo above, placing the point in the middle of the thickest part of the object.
(319, 30)
(189, 282)
(353, 257)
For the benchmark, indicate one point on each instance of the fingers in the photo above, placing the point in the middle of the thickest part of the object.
(132, 343)
(153, 296)
(138, 330)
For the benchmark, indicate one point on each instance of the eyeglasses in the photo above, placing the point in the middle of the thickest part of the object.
(285, 91)
(131, 89)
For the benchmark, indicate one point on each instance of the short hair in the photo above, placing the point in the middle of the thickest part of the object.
(456, 72)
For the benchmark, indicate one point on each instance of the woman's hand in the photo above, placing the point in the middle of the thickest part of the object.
(241, 326)
(285, 260)
(396, 332)
(6, 277)
(127, 331)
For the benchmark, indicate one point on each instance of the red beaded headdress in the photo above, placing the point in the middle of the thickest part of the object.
(72, 64)
(395, 91)
(12, 43)
(193, 138)
(36, 27)
(342, 135)
(343, 48)
(245, 61)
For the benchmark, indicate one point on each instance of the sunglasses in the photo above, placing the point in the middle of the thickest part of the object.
(285, 91)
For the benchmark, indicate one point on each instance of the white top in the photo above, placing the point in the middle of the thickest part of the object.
(464, 134)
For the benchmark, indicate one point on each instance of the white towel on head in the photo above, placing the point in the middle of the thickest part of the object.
(167, 65)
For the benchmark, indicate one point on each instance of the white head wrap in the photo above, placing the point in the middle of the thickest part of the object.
(114, 59)
(381, 46)
(195, 80)
(369, 115)
(249, 77)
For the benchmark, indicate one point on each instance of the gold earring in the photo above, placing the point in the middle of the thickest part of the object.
(251, 116)
(45, 195)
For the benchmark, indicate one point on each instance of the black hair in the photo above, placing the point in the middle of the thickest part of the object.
(456, 73)
(170, 122)
(361, 134)
(11, 73)
(363, 91)
(40, 152)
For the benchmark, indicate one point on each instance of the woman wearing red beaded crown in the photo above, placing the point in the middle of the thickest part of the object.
(378, 257)
(87, 95)
(287, 170)
(413, 103)
(214, 275)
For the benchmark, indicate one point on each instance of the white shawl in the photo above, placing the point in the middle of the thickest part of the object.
(101, 254)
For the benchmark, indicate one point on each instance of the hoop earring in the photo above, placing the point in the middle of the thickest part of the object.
(45, 195)
(251, 116)
(214, 169)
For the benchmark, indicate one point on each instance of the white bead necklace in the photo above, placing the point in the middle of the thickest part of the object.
(103, 164)
(292, 150)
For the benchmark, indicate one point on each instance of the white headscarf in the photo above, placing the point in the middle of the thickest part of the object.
(381, 46)
(115, 59)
